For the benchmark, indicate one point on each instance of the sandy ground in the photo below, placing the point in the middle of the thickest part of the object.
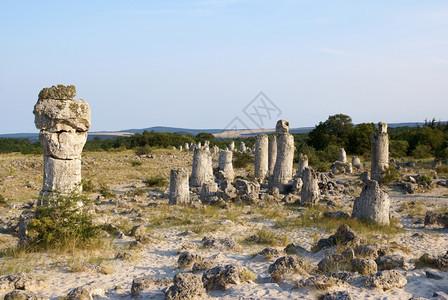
(158, 259)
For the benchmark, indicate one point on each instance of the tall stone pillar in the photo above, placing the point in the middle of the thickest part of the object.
(202, 168)
(303, 163)
(285, 156)
(380, 152)
(63, 123)
(179, 190)
(272, 155)
(342, 155)
(261, 157)
(225, 166)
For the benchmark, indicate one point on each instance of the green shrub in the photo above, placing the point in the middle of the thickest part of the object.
(422, 151)
(87, 185)
(425, 179)
(62, 223)
(442, 169)
(3, 201)
(398, 148)
(241, 159)
(391, 174)
(145, 150)
(104, 190)
(155, 181)
(136, 163)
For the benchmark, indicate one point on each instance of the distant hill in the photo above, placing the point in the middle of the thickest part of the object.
(219, 133)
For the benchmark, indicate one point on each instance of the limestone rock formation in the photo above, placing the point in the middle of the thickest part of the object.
(342, 156)
(185, 286)
(285, 155)
(63, 123)
(380, 152)
(310, 188)
(179, 189)
(261, 157)
(225, 166)
(272, 155)
(303, 163)
(202, 168)
(372, 204)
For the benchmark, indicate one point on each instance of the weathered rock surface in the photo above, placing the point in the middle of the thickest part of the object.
(387, 280)
(389, 262)
(284, 265)
(372, 251)
(337, 295)
(364, 266)
(433, 218)
(285, 155)
(142, 283)
(202, 168)
(303, 163)
(20, 281)
(185, 286)
(225, 166)
(62, 145)
(261, 157)
(344, 236)
(220, 278)
(380, 152)
(272, 154)
(248, 190)
(373, 204)
(179, 187)
(24, 295)
(310, 188)
(187, 259)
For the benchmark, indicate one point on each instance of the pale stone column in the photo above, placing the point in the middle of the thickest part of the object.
(179, 190)
(272, 155)
(285, 156)
(342, 155)
(303, 163)
(261, 157)
(380, 152)
(225, 165)
(63, 123)
(202, 168)
(310, 188)
(373, 204)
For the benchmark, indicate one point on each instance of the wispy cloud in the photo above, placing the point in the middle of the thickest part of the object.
(334, 51)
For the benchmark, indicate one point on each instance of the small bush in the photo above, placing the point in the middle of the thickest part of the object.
(242, 160)
(104, 190)
(442, 169)
(62, 223)
(391, 174)
(3, 201)
(425, 179)
(145, 150)
(155, 181)
(136, 163)
(422, 151)
(87, 185)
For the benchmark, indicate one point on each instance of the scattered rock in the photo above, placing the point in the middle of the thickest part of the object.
(337, 295)
(389, 262)
(187, 259)
(386, 280)
(269, 252)
(185, 286)
(220, 278)
(433, 218)
(320, 282)
(21, 281)
(284, 265)
(372, 251)
(142, 283)
(336, 262)
(24, 295)
(364, 266)
(433, 275)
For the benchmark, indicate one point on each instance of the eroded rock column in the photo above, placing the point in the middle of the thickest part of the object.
(310, 188)
(380, 152)
(303, 163)
(261, 157)
(225, 166)
(202, 168)
(342, 155)
(272, 155)
(285, 155)
(63, 123)
(179, 189)
(373, 204)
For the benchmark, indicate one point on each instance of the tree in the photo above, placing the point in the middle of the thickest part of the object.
(334, 131)
(359, 140)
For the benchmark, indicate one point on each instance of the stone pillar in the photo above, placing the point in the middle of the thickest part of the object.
(232, 146)
(285, 156)
(272, 155)
(380, 152)
(356, 162)
(373, 204)
(225, 166)
(187, 147)
(202, 168)
(342, 155)
(261, 157)
(179, 191)
(303, 163)
(310, 188)
(243, 147)
(63, 123)
(180, 148)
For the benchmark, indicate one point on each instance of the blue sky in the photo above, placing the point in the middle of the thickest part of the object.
(197, 64)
